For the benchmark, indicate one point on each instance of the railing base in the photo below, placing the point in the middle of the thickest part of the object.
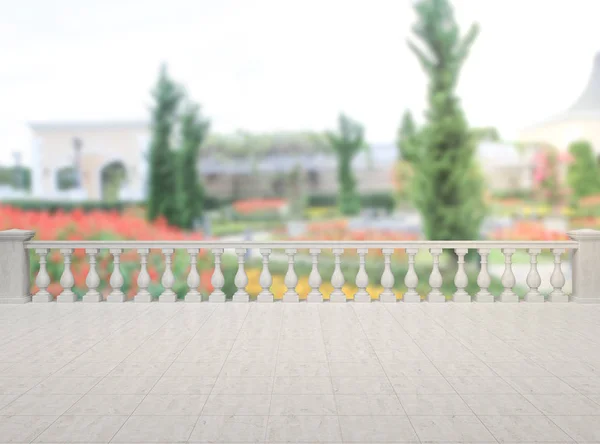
(461, 298)
(265, 298)
(217, 296)
(411, 298)
(436, 298)
(143, 298)
(534, 298)
(42, 298)
(18, 300)
(92, 298)
(118, 298)
(66, 297)
(314, 298)
(291, 298)
(194, 298)
(245, 297)
(582, 300)
(387, 298)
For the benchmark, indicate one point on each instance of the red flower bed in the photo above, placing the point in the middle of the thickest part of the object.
(258, 205)
(528, 231)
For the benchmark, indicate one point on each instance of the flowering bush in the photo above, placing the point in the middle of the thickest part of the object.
(99, 225)
(259, 205)
(547, 182)
(528, 231)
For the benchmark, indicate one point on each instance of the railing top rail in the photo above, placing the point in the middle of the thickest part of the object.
(571, 245)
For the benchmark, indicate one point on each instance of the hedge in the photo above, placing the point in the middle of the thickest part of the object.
(383, 200)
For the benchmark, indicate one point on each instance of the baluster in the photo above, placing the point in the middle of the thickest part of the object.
(533, 278)
(66, 280)
(461, 280)
(508, 278)
(291, 280)
(42, 279)
(265, 279)
(217, 280)
(411, 280)
(362, 278)
(314, 278)
(193, 279)
(92, 279)
(167, 281)
(143, 280)
(557, 279)
(387, 278)
(241, 279)
(337, 278)
(483, 278)
(116, 278)
(435, 278)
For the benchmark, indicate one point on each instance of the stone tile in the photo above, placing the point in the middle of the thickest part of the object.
(240, 368)
(354, 405)
(302, 369)
(194, 369)
(562, 405)
(422, 385)
(500, 404)
(357, 369)
(524, 429)
(140, 369)
(302, 386)
(377, 429)
(125, 385)
(522, 368)
(585, 385)
(82, 429)
(23, 428)
(450, 429)
(539, 385)
(57, 385)
(161, 429)
(171, 405)
(190, 385)
(243, 386)
(410, 369)
(579, 428)
(15, 385)
(303, 429)
(464, 369)
(98, 405)
(361, 386)
(429, 405)
(40, 405)
(282, 405)
(229, 429)
(480, 385)
(237, 405)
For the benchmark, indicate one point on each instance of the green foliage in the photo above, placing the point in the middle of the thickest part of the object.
(52, 207)
(161, 199)
(383, 200)
(346, 143)
(17, 176)
(190, 193)
(407, 137)
(447, 185)
(583, 174)
(66, 178)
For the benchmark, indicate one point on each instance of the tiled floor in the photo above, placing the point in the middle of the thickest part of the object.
(299, 373)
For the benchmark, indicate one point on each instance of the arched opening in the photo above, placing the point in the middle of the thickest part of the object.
(112, 179)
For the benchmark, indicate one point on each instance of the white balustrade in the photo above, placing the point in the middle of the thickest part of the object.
(66, 280)
(116, 278)
(483, 278)
(411, 280)
(143, 280)
(241, 279)
(387, 277)
(265, 279)
(337, 278)
(435, 278)
(193, 279)
(461, 280)
(362, 279)
(42, 279)
(291, 279)
(508, 278)
(314, 278)
(167, 280)
(533, 278)
(92, 279)
(217, 280)
(557, 279)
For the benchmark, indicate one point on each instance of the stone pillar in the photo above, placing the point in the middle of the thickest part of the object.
(586, 266)
(14, 266)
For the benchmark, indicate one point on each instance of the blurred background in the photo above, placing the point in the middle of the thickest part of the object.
(266, 120)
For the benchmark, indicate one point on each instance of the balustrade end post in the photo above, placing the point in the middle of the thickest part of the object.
(585, 260)
(14, 260)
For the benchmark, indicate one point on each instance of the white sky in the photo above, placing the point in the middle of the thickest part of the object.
(265, 65)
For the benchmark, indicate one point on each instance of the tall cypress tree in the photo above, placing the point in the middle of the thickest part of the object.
(346, 143)
(162, 187)
(190, 193)
(447, 186)
(583, 173)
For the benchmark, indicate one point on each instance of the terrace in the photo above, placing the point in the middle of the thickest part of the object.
(326, 366)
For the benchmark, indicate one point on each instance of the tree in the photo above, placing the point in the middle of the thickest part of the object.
(447, 185)
(162, 187)
(583, 174)
(348, 141)
(189, 188)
